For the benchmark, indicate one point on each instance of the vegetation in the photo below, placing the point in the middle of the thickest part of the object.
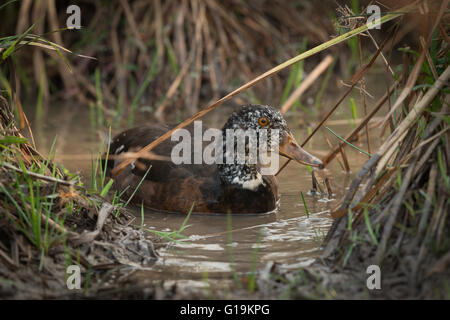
(394, 214)
(50, 221)
(166, 64)
(160, 50)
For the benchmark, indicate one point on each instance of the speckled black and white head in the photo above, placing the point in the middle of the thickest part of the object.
(257, 118)
(252, 117)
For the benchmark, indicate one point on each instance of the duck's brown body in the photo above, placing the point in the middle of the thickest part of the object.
(207, 195)
(174, 188)
(228, 187)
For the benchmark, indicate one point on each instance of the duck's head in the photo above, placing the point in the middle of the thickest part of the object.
(260, 118)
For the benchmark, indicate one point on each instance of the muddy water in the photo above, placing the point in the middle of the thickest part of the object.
(216, 247)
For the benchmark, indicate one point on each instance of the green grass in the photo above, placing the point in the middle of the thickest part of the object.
(119, 112)
(171, 56)
(142, 214)
(350, 248)
(349, 219)
(100, 185)
(12, 140)
(138, 186)
(99, 104)
(443, 169)
(33, 201)
(353, 112)
(13, 43)
(252, 97)
(351, 145)
(104, 169)
(304, 204)
(174, 236)
(106, 188)
(5, 86)
(99, 171)
(319, 235)
(295, 76)
(369, 226)
(324, 85)
(353, 42)
(309, 168)
(7, 3)
(40, 97)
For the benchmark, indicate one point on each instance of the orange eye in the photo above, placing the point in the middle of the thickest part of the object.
(263, 121)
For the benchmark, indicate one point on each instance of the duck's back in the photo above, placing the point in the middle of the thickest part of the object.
(174, 188)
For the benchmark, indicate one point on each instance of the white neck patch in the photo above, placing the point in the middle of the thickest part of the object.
(252, 184)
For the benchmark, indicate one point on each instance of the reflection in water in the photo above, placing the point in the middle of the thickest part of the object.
(287, 236)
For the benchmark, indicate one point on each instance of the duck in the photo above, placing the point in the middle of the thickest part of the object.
(239, 186)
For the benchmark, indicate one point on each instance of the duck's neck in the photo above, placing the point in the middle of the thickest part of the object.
(246, 174)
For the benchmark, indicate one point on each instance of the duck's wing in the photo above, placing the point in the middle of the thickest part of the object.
(161, 170)
(167, 186)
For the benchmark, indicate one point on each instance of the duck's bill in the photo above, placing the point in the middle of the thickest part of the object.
(290, 149)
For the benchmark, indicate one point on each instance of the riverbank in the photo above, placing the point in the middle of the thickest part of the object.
(50, 221)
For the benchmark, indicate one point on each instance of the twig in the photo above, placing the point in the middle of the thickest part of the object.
(174, 86)
(329, 190)
(382, 55)
(261, 77)
(418, 66)
(344, 157)
(327, 159)
(318, 70)
(355, 78)
(90, 236)
(39, 176)
(135, 31)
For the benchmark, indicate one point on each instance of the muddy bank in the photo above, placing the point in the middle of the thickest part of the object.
(390, 238)
(49, 221)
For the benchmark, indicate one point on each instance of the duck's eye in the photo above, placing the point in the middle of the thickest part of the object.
(263, 121)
